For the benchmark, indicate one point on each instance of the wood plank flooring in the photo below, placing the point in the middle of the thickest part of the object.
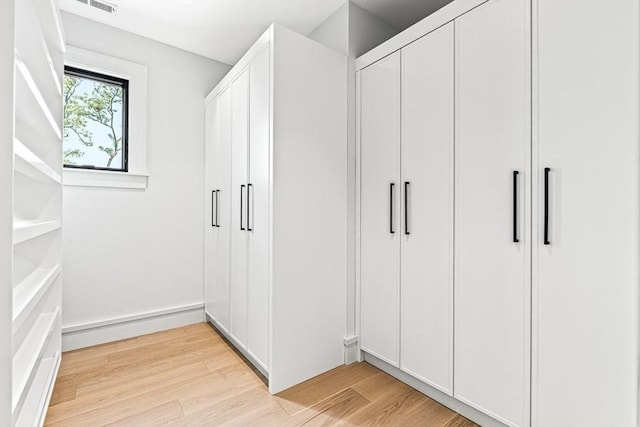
(191, 376)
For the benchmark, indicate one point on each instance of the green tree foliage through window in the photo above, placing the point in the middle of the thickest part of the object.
(94, 121)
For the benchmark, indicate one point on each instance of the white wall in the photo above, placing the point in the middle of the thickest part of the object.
(366, 31)
(354, 31)
(334, 31)
(129, 252)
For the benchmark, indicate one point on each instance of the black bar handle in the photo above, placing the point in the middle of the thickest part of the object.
(214, 209)
(546, 206)
(248, 209)
(217, 209)
(391, 230)
(241, 206)
(406, 208)
(515, 207)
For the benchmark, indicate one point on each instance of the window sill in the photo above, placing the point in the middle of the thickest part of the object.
(105, 179)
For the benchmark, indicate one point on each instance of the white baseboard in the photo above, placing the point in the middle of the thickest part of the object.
(351, 350)
(104, 331)
(440, 397)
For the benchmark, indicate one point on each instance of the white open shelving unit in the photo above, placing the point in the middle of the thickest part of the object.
(31, 210)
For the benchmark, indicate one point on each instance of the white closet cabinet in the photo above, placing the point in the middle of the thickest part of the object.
(426, 308)
(211, 207)
(218, 207)
(585, 277)
(31, 48)
(239, 208)
(547, 111)
(380, 209)
(493, 140)
(406, 199)
(276, 151)
(249, 251)
(258, 210)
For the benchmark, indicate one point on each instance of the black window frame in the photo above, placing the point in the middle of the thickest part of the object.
(124, 83)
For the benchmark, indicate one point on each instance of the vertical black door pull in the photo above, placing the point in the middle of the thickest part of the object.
(248, 209)
(515, 207)
(214, 209)
(546, 206)
(391, 230)
(217, 209)
(406, 207)
(241, 206)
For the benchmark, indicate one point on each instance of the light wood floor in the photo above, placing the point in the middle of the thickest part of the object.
(191, 377)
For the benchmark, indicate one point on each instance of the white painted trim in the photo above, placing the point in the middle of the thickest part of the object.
(108, 330)
(440, 397)
(358, 218)
(117, 320)
(105, 179)
(351, 340)
(250, 357)
(351, 350)
(432, 22)
(7, 134)
(137, 76)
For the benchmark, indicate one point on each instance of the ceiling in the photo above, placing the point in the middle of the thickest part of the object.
(224, 29)
(218, 29)
(401, 14)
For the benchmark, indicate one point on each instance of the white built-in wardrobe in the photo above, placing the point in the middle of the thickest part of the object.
(31, 68)
(275, 207)
(498, 209)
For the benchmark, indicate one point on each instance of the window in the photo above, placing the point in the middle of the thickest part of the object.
(134, 175)
(95, 120)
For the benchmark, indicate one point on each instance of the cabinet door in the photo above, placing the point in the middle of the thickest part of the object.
(259, 156)
(380, 203)
(493, 139)
(222, 164)
(427, 226)
(211, 127)
(239, 181)
(585, 284)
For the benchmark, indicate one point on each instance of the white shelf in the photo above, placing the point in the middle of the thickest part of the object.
(51, 24)
(29, 164)
(31, 43)
(26, 358)
(34, 106)
(26, 230)
(39, 140)
(34, 117)
(29, 292)
(35, 404)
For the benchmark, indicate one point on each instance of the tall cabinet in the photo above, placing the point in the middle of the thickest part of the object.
(32, 46)
(492, 244)
(218, 212)
(275, 239)
(585, 275)
(406, 207)
(498, 194)
(380, 199)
